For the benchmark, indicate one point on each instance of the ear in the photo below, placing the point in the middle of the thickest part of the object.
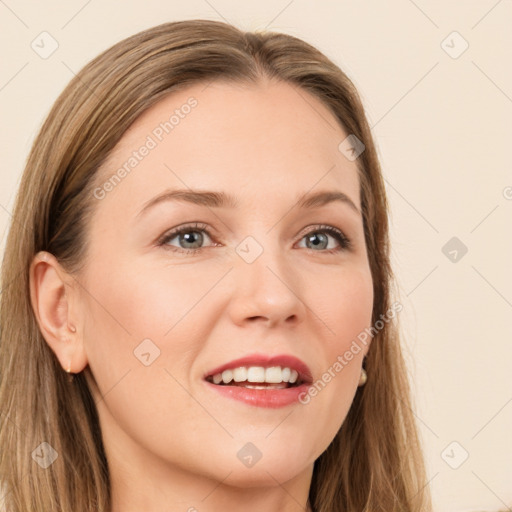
(55, 302)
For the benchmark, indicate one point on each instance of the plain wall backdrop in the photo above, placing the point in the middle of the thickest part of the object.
(436, 81)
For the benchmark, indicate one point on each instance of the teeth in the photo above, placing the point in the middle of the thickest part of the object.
(273, 375)
(281, 385)
(240, 374)
(257, 374)
(227, 376)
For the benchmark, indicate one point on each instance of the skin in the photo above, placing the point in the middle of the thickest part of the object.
(171, 442)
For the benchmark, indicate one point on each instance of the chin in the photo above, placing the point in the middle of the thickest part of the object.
(262, 475)
(252, 467)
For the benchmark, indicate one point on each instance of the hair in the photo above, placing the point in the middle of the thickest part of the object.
(374, 462)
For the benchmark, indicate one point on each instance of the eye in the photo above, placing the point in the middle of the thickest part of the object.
(313, 239)
(191, 238)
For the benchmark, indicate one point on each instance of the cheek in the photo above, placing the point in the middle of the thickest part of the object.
(136, 302)
(351, 318)
(345, 305)
(144, 320)
(139, 343)
(346, 309)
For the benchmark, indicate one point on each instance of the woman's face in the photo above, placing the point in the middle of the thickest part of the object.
(261, 278)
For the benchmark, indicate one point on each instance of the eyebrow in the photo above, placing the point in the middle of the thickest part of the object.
(212, 199)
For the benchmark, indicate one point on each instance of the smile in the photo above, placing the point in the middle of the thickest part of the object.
(261, 380)
(272, 377)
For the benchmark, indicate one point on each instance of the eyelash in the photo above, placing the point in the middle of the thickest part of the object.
(342, 239)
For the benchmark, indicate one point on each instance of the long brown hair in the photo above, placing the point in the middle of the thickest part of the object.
(373, 464)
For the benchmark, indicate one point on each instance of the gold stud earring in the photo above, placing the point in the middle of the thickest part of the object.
(363, 378)
(68, 371)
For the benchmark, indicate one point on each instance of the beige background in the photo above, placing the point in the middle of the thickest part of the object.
(442, 125)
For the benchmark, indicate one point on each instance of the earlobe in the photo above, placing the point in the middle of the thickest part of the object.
(52, 302)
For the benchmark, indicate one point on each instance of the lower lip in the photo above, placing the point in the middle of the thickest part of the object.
(271, 398)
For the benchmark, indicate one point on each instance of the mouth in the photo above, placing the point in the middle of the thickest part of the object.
(257, 377)
(262, 372)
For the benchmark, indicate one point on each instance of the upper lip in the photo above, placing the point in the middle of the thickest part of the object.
(283, 360)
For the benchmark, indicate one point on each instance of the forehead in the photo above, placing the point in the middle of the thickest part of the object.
(259, 138)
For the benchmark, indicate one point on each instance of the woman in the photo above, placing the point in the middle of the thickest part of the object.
(257, 367)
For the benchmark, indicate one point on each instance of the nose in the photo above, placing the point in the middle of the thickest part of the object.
(267, 290)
